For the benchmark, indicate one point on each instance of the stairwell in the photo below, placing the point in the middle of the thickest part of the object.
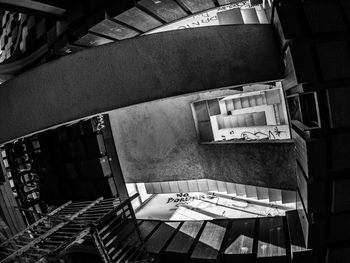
(232, 190)
(267, 239)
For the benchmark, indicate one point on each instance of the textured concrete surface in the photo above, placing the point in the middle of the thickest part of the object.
(134, 71)
(157, 141)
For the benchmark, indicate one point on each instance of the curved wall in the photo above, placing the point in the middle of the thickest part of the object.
(134, 71)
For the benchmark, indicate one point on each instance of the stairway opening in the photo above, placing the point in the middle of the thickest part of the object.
(251, 113)
(208, 200)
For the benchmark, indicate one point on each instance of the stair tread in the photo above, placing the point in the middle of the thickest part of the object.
(212, 185)
(119, 234)
(249, 119)
(259, 118)
(184, 238)
(271, 237)
(250, 16)
(245, 102)
(146, 227)
(203, 185)
(221, 186)
(259, 100)
(240, 237)
(193, 185)
(252, 101)
(165, 187)
(237, 103)
(231, 188)
(263, 193)
(209, 243)
(174, 187)
(251, 191)
(233, 121)
(288, 197)
(229, 105)
(241, 121)
(159, 238)
(183, 186)
(275, 195)
(156, 188)
(295, 232)
(240, 190)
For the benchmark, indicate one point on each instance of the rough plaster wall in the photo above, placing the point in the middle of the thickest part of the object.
(134, 71)
(157, 141)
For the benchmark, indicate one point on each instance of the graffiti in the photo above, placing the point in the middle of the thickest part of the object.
(184, 198)
(231, 6)
(100, 122)
(248, 136)
(203, 19)
(278, 132)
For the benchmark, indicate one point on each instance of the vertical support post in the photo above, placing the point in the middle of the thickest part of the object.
(114, 160)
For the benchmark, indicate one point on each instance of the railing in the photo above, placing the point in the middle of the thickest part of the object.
(110, 222)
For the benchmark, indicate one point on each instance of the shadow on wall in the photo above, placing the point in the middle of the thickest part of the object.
(157, 141)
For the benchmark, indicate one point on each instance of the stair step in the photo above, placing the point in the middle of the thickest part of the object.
(183, 186)
(165, 187)
(272, 244)
(221, 186)
(241, 121)
(259, 100)
(249, 119)
(229, 105)
(157, 241)
(227, 122)
(245, 102)
(259, 118)
(233, 121)
(262, 192)
(250, 16)
(288, 197)
(220, 120)
(121, 250)
(179, 248)
(313, 256)
(296, 235)
(238, 243)
(251, 191)
(203, 185)
(147, 227)
(118, 234)
(209, 243)
(237, 103)
(230, 17)
(193, 185)
(240, 190)
(157, 188)
(252, 101)
(212, 185)
(231, 188)
(149, 188)
(174, 187)
(275, 195)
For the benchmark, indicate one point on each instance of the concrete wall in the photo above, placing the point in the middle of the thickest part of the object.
(134, 71)
(157, 141)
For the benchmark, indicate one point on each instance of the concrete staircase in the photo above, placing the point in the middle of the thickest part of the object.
(242, 120)
(267, 239)
(245, 102)
(223, 188)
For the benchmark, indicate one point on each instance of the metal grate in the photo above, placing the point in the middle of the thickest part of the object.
(53, 235)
